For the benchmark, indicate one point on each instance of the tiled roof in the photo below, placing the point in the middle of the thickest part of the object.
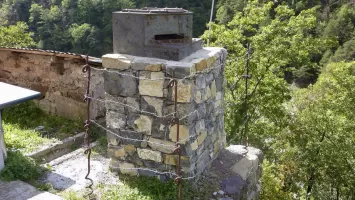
(51, 53)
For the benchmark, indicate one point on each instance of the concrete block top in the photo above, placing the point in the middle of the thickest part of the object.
(199, 61)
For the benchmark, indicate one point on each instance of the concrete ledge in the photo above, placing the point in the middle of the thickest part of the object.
(18, 190)
(234, 174)
(55, 150)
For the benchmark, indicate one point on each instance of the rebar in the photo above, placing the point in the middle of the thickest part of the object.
(176, 120)
(87, 69)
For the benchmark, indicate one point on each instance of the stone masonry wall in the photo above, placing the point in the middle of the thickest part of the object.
(135, 84)
(59, 79)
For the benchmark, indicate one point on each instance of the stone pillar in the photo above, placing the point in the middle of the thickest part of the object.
(144, 108)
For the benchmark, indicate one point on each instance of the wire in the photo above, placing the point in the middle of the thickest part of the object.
(129, 106)
(131, 139)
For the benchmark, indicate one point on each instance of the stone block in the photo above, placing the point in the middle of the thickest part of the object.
(198, 97)
(201, 138)
(131, 118)
(116, 152)
(201, 65)
(203, 160)
(183, 109)
(183, 133)
(152, 105)
(179, 69)
(200, 150)
(123, 134)
(173, 160)
(201, 82)
(123, 167)
(161, 145)
(147, 154)
(201, 111)
(213, 90)
(208, 94)
(200, 126)
(217, 71)
(184, 92)
(130, 149)
(209, 78)
(210, 106)
(208, 142)
(160, 128)
(116, 61)
(120, 85)
(133, 105)
(115, 120)
(147, 64)
(257, 152)
(113, 103)
(211, 60)
(143, 124)
(246, 165)
(154, 88)
(219, 83)
(194, 145)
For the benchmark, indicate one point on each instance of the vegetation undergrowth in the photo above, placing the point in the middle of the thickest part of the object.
(21, 121)
(20, 167)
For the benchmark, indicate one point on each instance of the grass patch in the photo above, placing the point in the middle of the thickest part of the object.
(27, 141)
(20, 167)
(20, 122)
(137, 188)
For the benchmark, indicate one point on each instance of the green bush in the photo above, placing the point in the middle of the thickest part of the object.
(20, 167)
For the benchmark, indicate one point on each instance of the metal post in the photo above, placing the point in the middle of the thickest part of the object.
(176, 120)
(210, 24)
(87, 69)
(2, 145)
(247, 77)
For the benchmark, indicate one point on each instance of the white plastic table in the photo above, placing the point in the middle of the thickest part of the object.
(11, 95)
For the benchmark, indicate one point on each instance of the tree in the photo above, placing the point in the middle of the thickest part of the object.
(345, 52)
(344, 18)
(16, 36)
(279, 45)
(323, 133)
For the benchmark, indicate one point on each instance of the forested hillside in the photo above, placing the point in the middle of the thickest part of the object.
(84, 26)
(290, 76)
(307, 135)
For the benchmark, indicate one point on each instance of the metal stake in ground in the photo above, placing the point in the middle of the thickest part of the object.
(87, 69)
(178, 180)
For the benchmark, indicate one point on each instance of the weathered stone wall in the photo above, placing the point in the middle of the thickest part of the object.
(142, 84)
(59, 79)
